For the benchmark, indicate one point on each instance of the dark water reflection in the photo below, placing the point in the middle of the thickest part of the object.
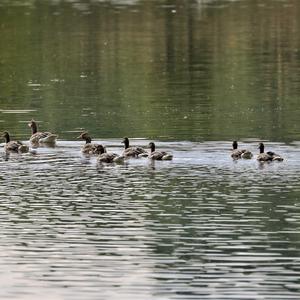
(186, 70)
(200, 226)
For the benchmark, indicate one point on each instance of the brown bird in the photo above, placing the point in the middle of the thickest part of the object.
(159, 155)
(13, 146)
(240, 153)
(40, 137)
(108, 157)
(133, 151)
(269, 156)
(89, 147)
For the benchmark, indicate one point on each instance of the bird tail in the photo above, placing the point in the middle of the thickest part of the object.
(50, 139)
(167, 157)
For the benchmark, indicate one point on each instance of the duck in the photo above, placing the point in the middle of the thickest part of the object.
(108, 157)
(89, 147)
(41, 137)
(133, 151)
(13, 146)
(240, 153)
(158, 155)
(268, 156)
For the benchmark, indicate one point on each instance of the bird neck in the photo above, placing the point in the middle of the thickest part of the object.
(7, 138)
(33, 127)
(88, 140)
(102, 150)
(261, 149)
(126, 144)
(152, 148)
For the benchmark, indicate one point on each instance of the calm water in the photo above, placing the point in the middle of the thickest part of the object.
(176, 70)
(190, 75)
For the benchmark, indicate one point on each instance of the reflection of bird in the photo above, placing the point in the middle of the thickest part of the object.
(237, 153)
(13, 146)
(108, 157)
(41, 137)
(159, 155)
(89, 147)
(269, 156)
(133, 151)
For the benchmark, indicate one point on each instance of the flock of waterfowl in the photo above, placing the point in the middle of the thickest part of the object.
(99, 150)
(89, 148)
(262, 156)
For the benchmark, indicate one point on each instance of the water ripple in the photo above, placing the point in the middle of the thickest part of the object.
(201, 225)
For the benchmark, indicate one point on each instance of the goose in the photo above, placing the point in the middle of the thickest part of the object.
(268, 156)
(240, 153)
(108, 157)
(13, 146)
(89, 147)
(40, 137)
(158, 155)
(133, 151)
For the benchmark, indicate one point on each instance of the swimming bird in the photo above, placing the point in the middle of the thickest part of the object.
(13, 146)
(108, 157)
(40, 137)
(159, 155)
(89, 147)
(268, 156)
(240, 153)
(133, 151)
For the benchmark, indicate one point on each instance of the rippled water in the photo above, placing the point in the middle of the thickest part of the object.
(192, 75)
(199, 227)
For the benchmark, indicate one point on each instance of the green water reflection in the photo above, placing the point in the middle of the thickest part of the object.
(186, 70)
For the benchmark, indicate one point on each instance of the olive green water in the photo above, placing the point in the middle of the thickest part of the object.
(190, 75)
(188, 70)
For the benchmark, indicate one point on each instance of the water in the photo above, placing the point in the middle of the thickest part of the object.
(173, 70)
(191, 76)
(200, 226)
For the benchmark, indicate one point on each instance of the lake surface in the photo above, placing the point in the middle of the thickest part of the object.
(190, 75)
(198, 227)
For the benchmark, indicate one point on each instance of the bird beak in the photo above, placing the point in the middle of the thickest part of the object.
(78, 137)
